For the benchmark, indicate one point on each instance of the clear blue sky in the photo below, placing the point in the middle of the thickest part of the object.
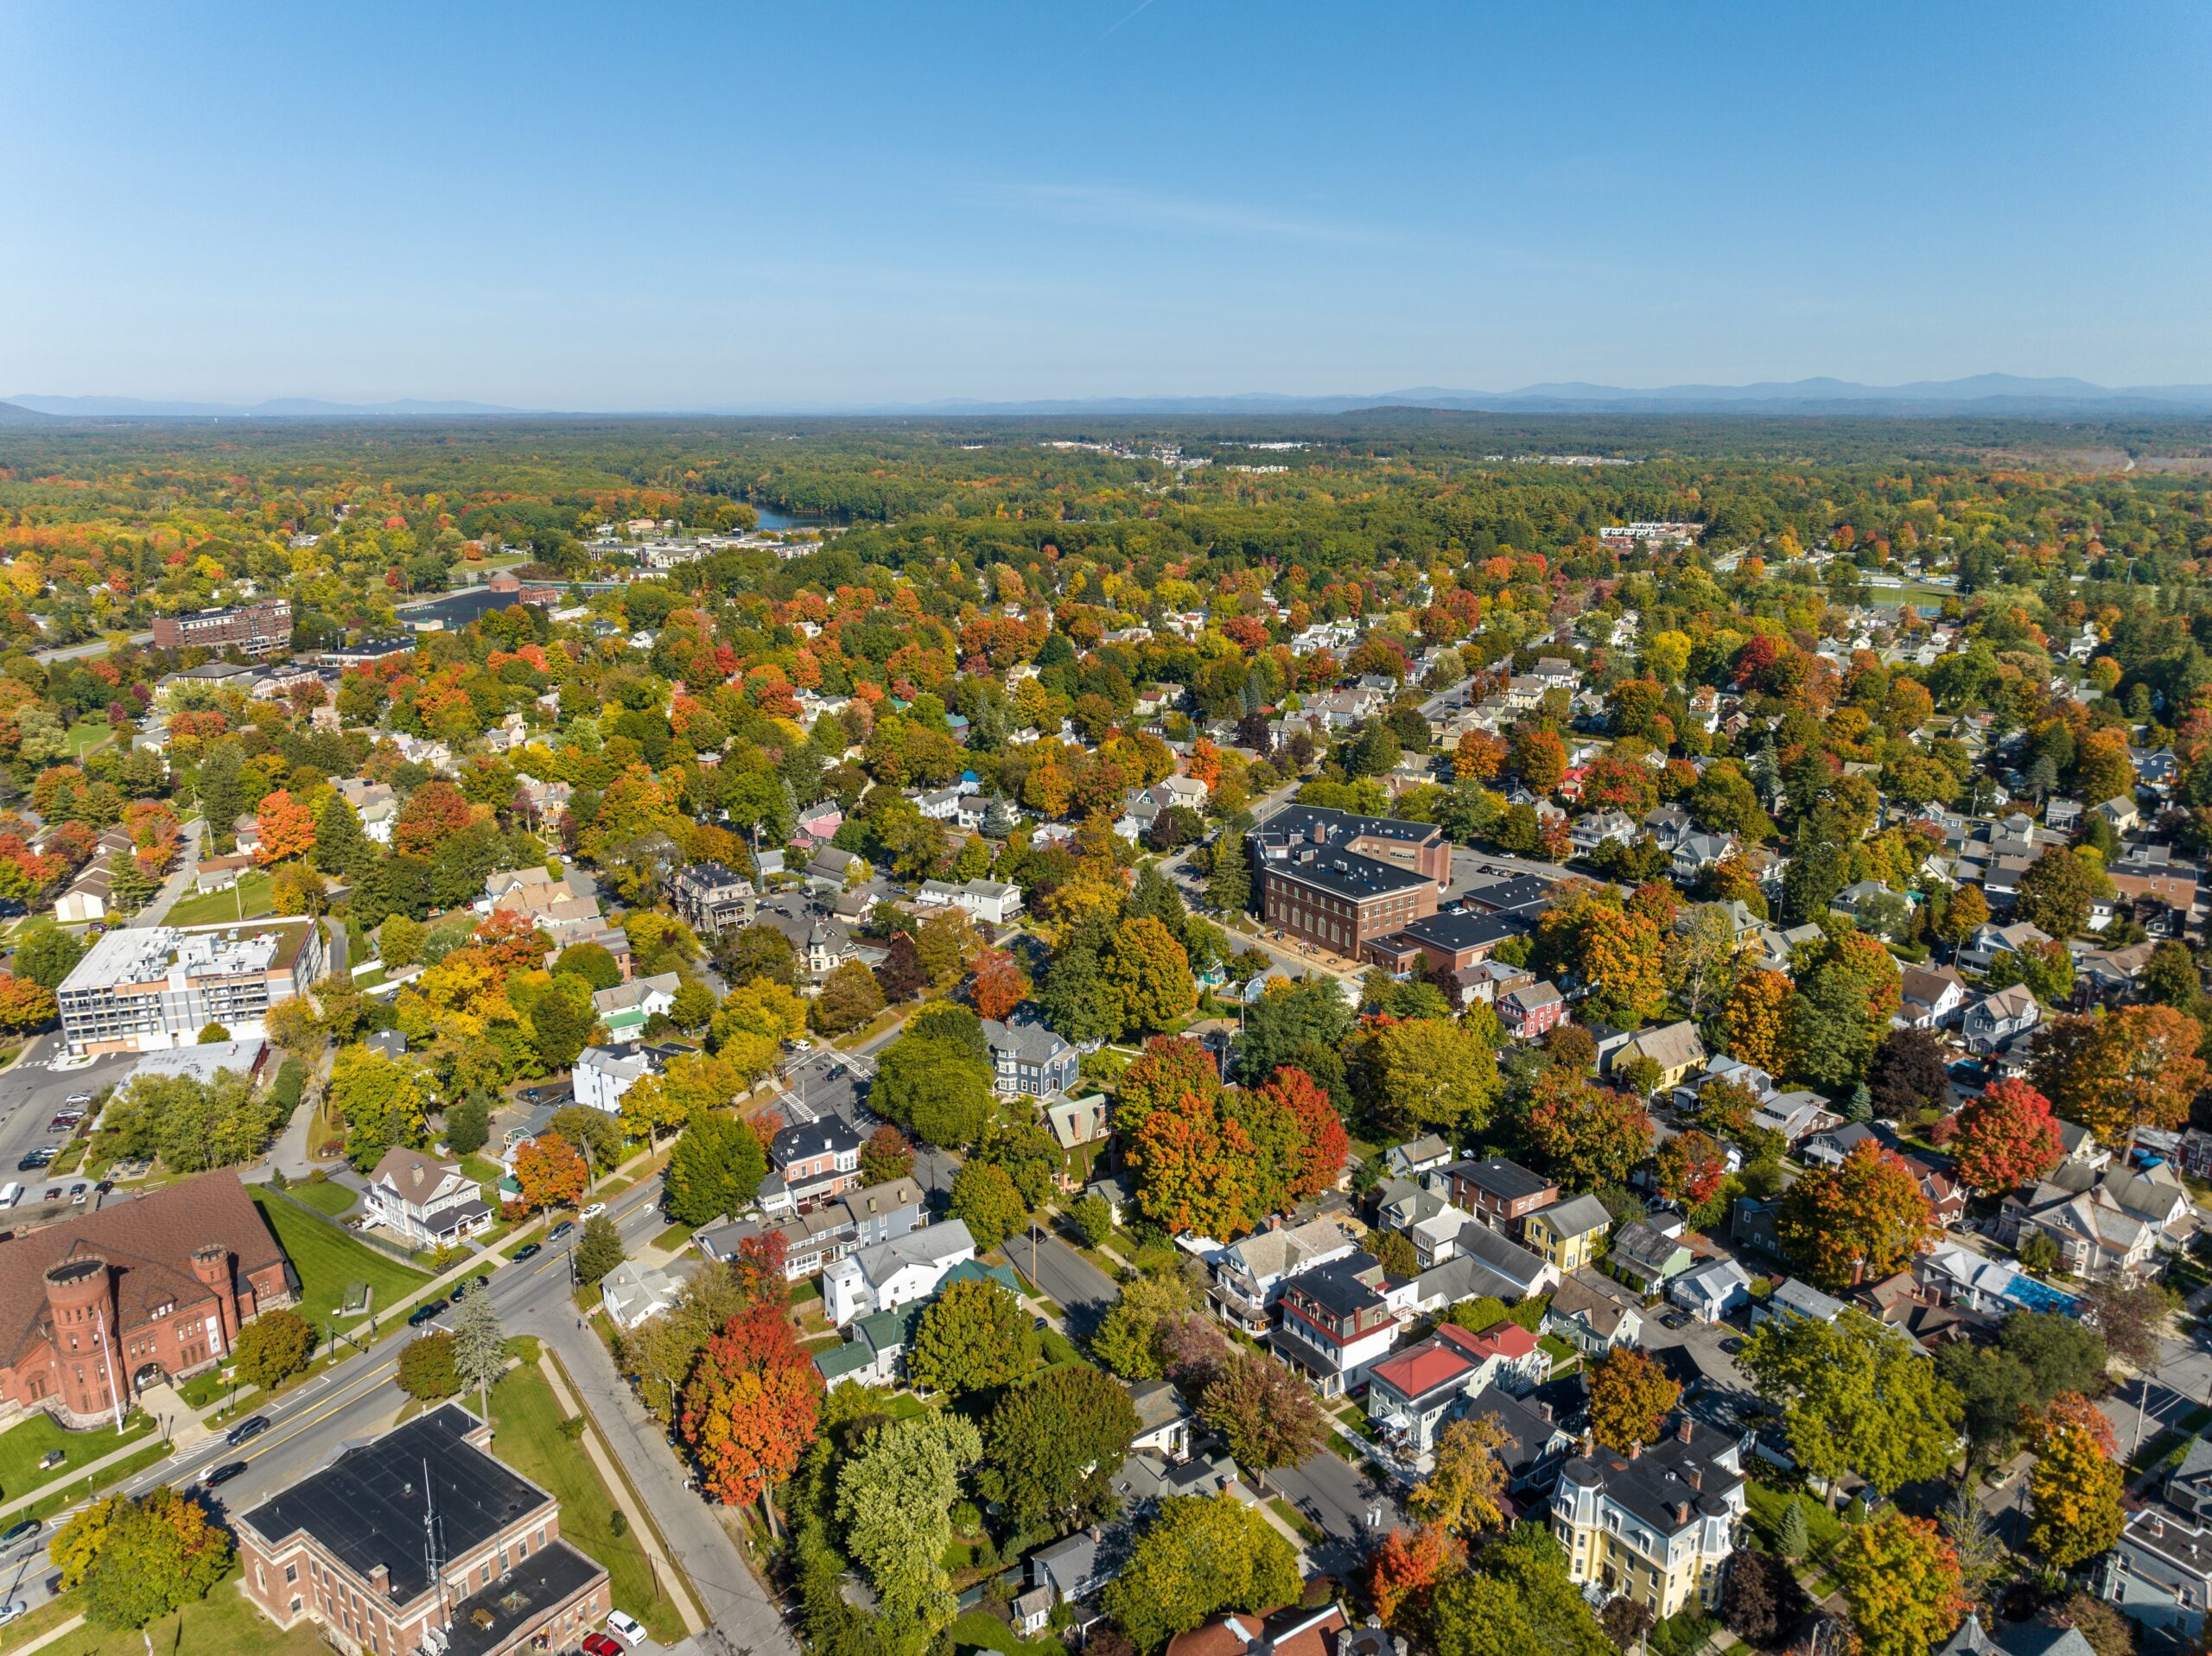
(652, 206)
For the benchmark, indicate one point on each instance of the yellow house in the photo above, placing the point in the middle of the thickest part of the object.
(1569, 1234)
(1675, 1048)
(1655, 1526)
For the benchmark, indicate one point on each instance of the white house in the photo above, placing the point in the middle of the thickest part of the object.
(627, 1007)
(1712, 1290)
(985, 900)
(634, 1291)
(426, 1203)
(603, 1074)
(896, 1272)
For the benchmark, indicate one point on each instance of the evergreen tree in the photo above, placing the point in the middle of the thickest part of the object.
(1795, 1538)
(598, 1250)
(468, 1123)
(1230, 886)
(479, 1346)
(340, 844)
(1074, 998)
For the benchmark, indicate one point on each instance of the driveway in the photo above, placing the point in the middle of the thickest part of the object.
(1061, 1274)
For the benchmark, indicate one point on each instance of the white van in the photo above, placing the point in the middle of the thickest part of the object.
(10, 1195)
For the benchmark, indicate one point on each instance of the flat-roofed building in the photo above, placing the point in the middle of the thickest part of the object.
(1336, 880)
(144, 989)
(253, 629)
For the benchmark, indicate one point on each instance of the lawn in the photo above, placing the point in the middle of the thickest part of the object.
(1823, 1527)
(68, 1495)
(327, 1262)
(674, 1240)
(329, 1197)
(21, 1448)
(981, 1630)
(247, 900)
(527, 1435)
(87, 734)
(1307, 1529)
(222, 1621)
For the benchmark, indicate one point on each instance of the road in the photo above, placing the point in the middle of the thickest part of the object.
(1063, 1276)
(1353, 1511)
(830, 1081)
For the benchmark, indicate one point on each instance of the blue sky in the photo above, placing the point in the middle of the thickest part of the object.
(657, 206)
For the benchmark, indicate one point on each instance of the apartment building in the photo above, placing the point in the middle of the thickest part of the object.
(1654, 1525)
(144, 989)
(252, 629)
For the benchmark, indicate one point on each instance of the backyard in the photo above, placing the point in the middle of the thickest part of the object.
(526, 1424)
(327, 1196)
(327, 1262)
(247, 900)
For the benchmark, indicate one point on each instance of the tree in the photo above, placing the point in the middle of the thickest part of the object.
(272, 1348)
(1515, 1596)
(1229, 882)
(1761, 1599)
(1056, 1442)
(1858, 1221)
(1616, 954)
(26, 1004)
(1854, 1398)
(1146, 973)
(1094, 1218)
(1197, 1167)
(1586, 1136)
(479, 1344)
(46, 955)
(426, 1368)
(594, 1133)
(1000, 985)
(2129, 1316)
(139, 1560)
(2056, 891)
(1435, 1072)
(849, 998)
(1692, 1170)
(1901, 1579)
(1394, 1251)
(385, 1102)
(2107, 1628)
(1795, 1540)
(974, 1337)
(598, 1250)
(1907, 1075)
(2074, 1494)
(434, 813)
(750, 1407)
(1199, 1554)
(985, 1199)
(2115, 1072)
(935, 1085)
(2005, 1138)
(1463, 1494)
(1318, 1158)
(1755, 1019)
(1630, 1400)
(590, 962)
(467, 1122)
(1169, 1067)
(692, 1006)
(2059, 1353)
(895, 1493)
(1407, 1569)
(549, 1171)
(901, 977)
(287, 829)
(1266, 1415)
(886, 1156)
(1128, 1338)
(1288, 1020)
(715, 1169)
(1967, 913)
(2170, 977)
(944, 943)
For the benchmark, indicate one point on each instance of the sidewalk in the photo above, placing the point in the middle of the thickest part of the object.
(679, 1590)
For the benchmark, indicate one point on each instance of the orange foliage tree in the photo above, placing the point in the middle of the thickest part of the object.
(550, 1172)
(287, 829)
(1317, 1160)
(1001, 984)
(751, 1406)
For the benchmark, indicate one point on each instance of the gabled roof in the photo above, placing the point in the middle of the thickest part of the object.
(1575, 1216)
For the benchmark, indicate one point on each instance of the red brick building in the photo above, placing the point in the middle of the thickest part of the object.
(1335, 880)
(148, 1289)
(254, 629)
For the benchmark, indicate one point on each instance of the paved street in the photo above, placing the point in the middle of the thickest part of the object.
(1063, 1276)
(1352, 1511)
(31, 1090)
(2178, 1387)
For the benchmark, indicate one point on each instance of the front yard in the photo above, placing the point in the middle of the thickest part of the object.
(24, 1446)
(328, 1262)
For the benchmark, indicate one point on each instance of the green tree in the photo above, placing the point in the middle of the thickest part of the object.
(1199, 1554)
(985, 1199)
(273, 1347)
(1148, 975)
(598, 1250)
(974, 1337)
(1795, 1540)
(1056, 1442)
(46, 955)
(1437, 1074)
(468, 1123)
(2058, 890)
(895, 1492)
(1094, 1217)
(140, 1559)
(340, 846)
(1515, 1596)
(1128, 1338)
(936, 1087)
(384, 1101)
(1854, 1398)
(591, 962)
(849, 998)
(1229, 884)
(715, 1169)
(692, 1007)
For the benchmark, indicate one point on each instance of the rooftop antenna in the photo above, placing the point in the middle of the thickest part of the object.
(433, 1532)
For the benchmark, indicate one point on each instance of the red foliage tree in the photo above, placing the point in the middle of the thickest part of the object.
(1405, 1570)
(434, 813)
(2006, 1137)
(1692, 1168)
(1171, 1067)
(287, 829)
(510, 942)
(751, 1406)
(759, 1269)
(550, 1172)
(1001, 984)
(1318, 1161)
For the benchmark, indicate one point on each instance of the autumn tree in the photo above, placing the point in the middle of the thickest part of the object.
(287, 829)
(139, 1558)
(273, 1347)
(1630, 1398)
(550, 1172)
(1616, 954)
(1145, 974)
(1318, 1157)
(1197, 1168)
(2114, 1072)
(1465, 1493)
(1585, 1136)
(2005, 1138)
(1900, 1578)
(750, 1407)
(1539, 758)
(1692, 1169)
(850, 997)
(886, 1156)
(901, 977)
(427, 1371)
(1268, 1416)
(1858, 1221)
(25, 1003)
(434, 813)
(1407, 1568)
(1000, 985)
(1756, 1012)
(1434, 1073)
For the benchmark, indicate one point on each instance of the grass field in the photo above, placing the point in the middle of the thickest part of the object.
(527, 1435)
(21, 1448)
(222, 1621)
(328, 1260)
(329, 1197)
(981, 1630)
(87, 734)
(147, 1454)
(247, 900)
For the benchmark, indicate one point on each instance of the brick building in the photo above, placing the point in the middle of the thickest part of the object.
(419, 1540)
(252, 629)
(150, 1290)
(1336, 880)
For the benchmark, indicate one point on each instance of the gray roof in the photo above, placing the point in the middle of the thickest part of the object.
(1576, 1214)
(1028, 1041)
(1508, 1259)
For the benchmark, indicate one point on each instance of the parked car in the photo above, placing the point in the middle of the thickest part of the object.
(560, 1230)
(10, 1612)
(1675, 1320)
(628, 1629)
(21, 1533)
(53, 1193)
(246, 1431)
(78, 1098)
(598, 1644)
(77, 1193)
(527, 1250)
(424, 1312)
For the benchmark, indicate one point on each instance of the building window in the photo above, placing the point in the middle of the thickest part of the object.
(291, 1574)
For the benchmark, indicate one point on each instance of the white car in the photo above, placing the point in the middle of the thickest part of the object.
(626, 1627)
(593, 1211)
(10, 1612)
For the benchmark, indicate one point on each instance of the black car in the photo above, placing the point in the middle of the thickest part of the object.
(246, 1430)
(424, 1312)
(224, 1473)
(1674, 1320)
(32, 1163)
(527, 1250)
(21, 1533)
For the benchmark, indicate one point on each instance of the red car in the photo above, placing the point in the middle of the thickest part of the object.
(598, 1644)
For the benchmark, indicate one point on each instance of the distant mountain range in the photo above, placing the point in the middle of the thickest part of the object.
(1995, 395)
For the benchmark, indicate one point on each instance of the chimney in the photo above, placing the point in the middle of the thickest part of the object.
(1635, 1451)
(380, 1581)
(2158, 1520)
(1544, 1413)
(1681, 1512)
(1682, 1432)
(1695, 1476)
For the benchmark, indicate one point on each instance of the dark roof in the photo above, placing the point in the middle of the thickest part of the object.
(1652, 1484)
(1345, 873)
(549, 1578)
(801, 1139)
(1300, 820)
(1507, 1180)
(147, 1244)
(1521, 891)
(1338, 1287)
(367, 1506)
(1458, 932)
